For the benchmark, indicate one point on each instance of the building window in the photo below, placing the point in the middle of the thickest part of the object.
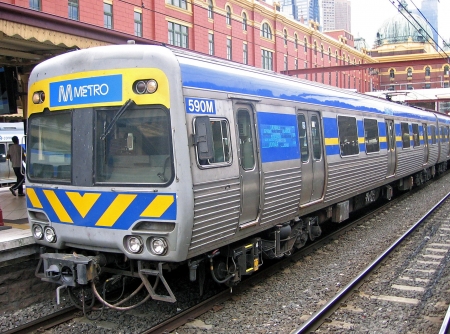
(228, 17)
(329, 54)
(210, 9)
(107, 15)
(337, 57)
(266, 59)
(392, 73)
(266, 31)
(245, 54)
(178, 35)
(446, 84)
(138, 24)
(306, 66)
(337, 79)
(73, 10)
(295, 41)
(409, 86)
(285, 37)
(409, 72)
(427, 86)
(179, 3)
(296, 64)
(321, 51)
(285, 62)
(35, 4)
(244, 21)
(211, 44)
(329, 78)
(306, 44)
(446, 70)
(229, 51)
(315, 48)
(427, 71)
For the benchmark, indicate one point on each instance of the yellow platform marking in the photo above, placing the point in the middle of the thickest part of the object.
(57, 206)
(158, 206)
(35, 202)
(115, 210)
(83, 203)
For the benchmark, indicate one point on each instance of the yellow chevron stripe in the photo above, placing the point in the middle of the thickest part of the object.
(57, 206)
(35, 202)
(331, 141)
(115, 210)
(83, 203)
(158, 206)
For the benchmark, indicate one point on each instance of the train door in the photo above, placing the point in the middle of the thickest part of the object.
(425, 144)
(391, 147)
(311, 155)
(248, 164)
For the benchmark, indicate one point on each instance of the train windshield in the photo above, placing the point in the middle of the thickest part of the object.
(133, 145)
(50, 147)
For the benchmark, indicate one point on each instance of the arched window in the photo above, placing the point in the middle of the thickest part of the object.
(321, 51)
(306, 44)
(315, 48)
(391, 73)
(446, 70)
(427, 71)
(266, 31)
(285, 36)
(228, 16)
(210, 9)
(295, 41)
(329, 54)
(244, 21)
(409, 72)
(337, 57)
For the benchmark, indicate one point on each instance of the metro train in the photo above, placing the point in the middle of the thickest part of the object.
(7, 131)
(145, 158)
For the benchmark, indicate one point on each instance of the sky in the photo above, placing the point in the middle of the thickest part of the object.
(369, 15)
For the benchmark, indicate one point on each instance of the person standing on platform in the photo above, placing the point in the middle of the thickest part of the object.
(16, 155)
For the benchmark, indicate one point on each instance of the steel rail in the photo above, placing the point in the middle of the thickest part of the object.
(316, 320)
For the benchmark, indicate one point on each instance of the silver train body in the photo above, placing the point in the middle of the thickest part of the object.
(168, 157)
(7, 131)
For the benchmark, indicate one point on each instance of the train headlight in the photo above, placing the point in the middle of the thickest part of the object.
(158, 246)
(38, 97)
(50, 234)
(38, 232)
(134, 244)
(147, 86)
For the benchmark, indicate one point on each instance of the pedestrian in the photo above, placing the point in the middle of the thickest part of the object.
(16, 155)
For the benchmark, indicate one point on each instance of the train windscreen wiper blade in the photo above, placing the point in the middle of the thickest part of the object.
(115, 118)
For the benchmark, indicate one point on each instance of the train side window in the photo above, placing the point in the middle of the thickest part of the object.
(442, 134)
(433, 134)
(315, 138)
(2, 153)
(348, 135)
(303, 137)
(416, 138)
(371, 137)
(405, 135)
(221, 143)
(245, 140)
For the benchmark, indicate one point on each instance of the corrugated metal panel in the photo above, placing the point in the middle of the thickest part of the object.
(352, 176)
(409, 161)
(216, 211)
(281, 194)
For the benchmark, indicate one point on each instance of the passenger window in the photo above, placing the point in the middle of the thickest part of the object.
(416, 138)
(433, 134)
(245, 140)
(221, 139)
(315, 138)
(442, 134)
(371, 138)
(348, 135)
(303, 137)
(405, 135)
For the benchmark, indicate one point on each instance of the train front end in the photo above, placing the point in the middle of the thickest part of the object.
(104, 175)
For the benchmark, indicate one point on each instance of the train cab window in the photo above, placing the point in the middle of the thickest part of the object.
(245, 140)
(303, 137)
(221, 144)
(416, 137)
(50, 147)
(2, 153)
(133, 146)
(348, 136)
(371, 138)
(433, 134)
(315, 138)
(406, 139)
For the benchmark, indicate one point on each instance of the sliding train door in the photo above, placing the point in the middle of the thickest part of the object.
(248, 163)
(391, 148)
(311, 155)
(425, 144)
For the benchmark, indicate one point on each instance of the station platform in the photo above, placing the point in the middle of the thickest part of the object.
(16, 240)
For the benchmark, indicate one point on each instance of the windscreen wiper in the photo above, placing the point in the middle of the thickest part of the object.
(115, 118)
